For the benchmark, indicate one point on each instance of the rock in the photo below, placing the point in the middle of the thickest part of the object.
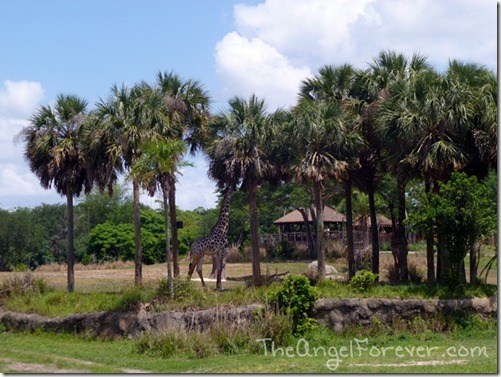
(337, 314)
(313, 267)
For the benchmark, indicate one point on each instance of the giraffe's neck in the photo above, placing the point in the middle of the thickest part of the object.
(223, 222)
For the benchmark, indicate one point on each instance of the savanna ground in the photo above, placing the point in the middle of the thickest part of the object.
(470, 347)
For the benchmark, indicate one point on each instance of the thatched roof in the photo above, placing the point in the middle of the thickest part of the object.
(295, 217)
(381, 221)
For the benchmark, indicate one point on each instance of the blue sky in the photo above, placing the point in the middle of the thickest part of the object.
(83, 47)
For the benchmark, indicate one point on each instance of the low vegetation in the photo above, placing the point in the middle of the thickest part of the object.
(283, 338)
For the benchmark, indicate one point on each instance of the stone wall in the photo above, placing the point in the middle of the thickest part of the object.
(341, 313)
(333, 313)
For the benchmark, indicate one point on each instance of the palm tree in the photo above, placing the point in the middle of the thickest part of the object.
(241, 151)
(185, 104)
(56, 155)
(470, 93)
(158, 162)
(320, 138)
(126, 120)
(388, 74)
(337, 85)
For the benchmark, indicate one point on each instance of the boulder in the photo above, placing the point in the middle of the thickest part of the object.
(313, 268)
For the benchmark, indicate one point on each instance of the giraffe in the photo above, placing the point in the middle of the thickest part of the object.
(214, 244)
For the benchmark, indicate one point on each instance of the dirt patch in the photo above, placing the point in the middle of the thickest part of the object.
(19, 367)
(23, 367)
(410, 363)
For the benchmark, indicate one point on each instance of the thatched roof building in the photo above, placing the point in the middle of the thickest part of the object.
(295, 217)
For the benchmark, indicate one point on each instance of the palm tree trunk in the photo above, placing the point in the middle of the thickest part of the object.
(401, 237)
(374, 230)
(319, 227)
(173, 223)
(256, 265)
(349, 230)
(165, 195)
(473, 262)
(138, 262)
(309, 237)
(70, 247)
(443, 263)
(430, 260)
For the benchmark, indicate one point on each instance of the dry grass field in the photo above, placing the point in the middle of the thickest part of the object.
(115, 276)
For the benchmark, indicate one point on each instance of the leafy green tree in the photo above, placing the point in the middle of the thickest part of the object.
(22, 241)
(52, 232)
(108, 241)
(99, 207)
(56, 155)
(462, 212)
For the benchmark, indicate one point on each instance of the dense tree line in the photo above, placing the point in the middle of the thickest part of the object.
(377, 129)
(104, 231)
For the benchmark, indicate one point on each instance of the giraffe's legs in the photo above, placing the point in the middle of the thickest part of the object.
(199, 270)
(214, 268)
(196, 261)
(219, 266)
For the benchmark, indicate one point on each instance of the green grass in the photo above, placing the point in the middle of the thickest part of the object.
(332, 289)
(463, 351)
(189, 295)
(442, 344)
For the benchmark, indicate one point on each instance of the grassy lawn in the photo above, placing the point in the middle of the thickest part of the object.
(469, 348)
(49, 353)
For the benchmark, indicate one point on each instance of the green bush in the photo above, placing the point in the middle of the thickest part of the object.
(295, 297)
(21, 285)
(132, 298)
(363, 281)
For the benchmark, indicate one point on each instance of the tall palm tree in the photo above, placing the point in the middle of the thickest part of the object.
(185, 104)
(126, 119)
(158, 162)
(320, 138)
(56, 155)
(241, 152)
(336, 84)
(470, 93)
(388, 74)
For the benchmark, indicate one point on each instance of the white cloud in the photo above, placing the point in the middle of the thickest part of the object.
(277, 43)
(18, 182)
(448, 29)
(251, 66)
(18, 99)
(18, 185)
(303, 30)
(194, 188)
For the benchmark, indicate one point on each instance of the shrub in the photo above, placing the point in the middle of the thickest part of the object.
(363, 281)
(295, 297)
(363, 259)
(415, 274)
(393, 273)
(335, 250)
(235, 255)
(131, 298)
(21, 285)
